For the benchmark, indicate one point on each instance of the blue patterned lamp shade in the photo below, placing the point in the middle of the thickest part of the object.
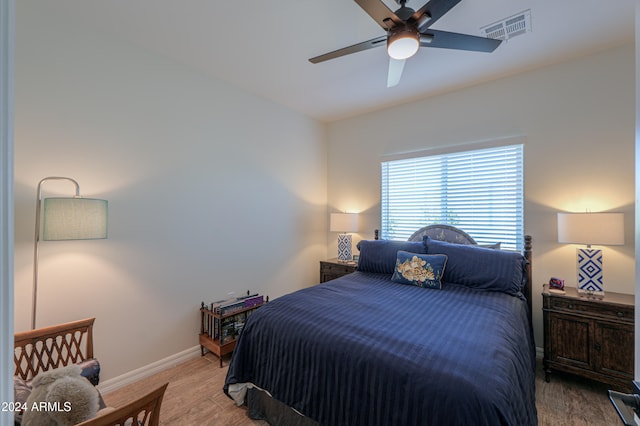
(344, 222)
(590, 228)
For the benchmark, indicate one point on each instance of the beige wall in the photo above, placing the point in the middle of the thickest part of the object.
(578, 121)
(210, 190)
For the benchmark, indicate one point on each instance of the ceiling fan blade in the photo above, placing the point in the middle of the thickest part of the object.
(369, 44)
(447, 40)
(380, 13)
(436, 9)
(395, 71)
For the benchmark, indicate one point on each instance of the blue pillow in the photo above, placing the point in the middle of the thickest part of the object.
(379, 256)
(482, 268)
(421, 270)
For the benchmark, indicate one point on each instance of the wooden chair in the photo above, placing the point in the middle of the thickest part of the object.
(142, 411)
(46, 348)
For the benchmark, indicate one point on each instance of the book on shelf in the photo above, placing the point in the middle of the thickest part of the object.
(232, 327)
(254, 300)
(229, 306)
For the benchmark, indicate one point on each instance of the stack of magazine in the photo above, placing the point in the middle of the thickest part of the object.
(229, 326)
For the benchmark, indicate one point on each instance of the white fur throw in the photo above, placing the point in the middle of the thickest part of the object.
(60, 397)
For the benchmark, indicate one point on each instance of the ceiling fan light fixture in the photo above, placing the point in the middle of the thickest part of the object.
(403, 42)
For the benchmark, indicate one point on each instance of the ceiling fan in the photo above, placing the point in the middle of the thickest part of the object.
(407, 30)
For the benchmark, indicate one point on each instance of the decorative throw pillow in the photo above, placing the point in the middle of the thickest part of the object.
(91, 370)
(421, 270)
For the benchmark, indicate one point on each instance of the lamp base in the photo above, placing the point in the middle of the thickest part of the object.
(344, 247)
(589, 263)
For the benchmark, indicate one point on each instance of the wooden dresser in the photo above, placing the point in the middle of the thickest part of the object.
(590, 337)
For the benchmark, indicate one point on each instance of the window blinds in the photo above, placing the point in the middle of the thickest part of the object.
(479, 191)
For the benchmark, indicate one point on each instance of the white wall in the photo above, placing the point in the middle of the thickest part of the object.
(210, 189)
(578, 120)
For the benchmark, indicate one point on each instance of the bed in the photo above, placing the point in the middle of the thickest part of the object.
(367, 349)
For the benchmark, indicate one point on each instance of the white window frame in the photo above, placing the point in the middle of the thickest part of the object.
(431, 187)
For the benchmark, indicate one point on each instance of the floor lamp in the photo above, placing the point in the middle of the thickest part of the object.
(65, 218)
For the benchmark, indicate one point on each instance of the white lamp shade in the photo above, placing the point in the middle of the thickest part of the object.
(403, 48)
(74, 219)
(403, 42)
(591, 228)
(343, 222)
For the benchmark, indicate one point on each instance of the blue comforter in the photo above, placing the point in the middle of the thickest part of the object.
(362, 350)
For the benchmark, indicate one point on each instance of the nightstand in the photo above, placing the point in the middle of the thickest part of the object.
(590, 337)
(331, 269)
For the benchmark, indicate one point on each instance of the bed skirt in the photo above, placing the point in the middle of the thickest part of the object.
(260, 406)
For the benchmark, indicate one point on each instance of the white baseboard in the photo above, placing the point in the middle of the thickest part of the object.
(148, 370)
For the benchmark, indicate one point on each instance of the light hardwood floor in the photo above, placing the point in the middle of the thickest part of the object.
(195, 397)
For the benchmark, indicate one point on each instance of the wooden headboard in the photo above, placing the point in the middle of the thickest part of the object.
(51, 347)
(447, 233)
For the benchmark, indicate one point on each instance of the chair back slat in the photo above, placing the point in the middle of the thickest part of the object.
(52, 347)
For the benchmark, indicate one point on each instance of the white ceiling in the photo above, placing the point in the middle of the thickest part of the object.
(263, 46)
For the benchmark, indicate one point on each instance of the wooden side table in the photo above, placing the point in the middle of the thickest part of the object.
(588, 336)
(331, 269)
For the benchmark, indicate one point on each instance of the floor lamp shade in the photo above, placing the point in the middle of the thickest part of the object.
(590, 228)
(344, 222)
(74, 219)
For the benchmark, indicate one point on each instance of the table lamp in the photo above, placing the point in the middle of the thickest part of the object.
(590, 228)
(344, 223)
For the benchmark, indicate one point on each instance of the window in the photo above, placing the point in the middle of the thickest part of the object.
(479, 191)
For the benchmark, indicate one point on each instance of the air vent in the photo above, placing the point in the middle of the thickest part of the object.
(510, 27)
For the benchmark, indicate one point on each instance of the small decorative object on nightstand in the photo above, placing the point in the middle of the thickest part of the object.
(589, 336)
(332, 269)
